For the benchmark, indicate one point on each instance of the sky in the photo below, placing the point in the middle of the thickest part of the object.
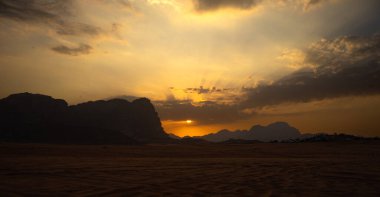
(223, 64)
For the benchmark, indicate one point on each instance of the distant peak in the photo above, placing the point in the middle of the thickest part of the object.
(173, 136)
(256, 127)
(223, 131)
(274, 131)
(279, 124)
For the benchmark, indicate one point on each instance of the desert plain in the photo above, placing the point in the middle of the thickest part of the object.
(259, 169)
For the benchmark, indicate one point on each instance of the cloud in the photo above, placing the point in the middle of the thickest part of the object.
(82, 49)
(345, 66)
(31, 10)
(75, 28)
(307, 4)
(53, 13)
(293, 57)
(209, 5)
(204, 90)
(304, 4)
(204, 113)
(335, 68)
(212, 5)
(123, 3)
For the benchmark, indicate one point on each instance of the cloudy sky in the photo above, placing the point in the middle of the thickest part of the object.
(220, 63)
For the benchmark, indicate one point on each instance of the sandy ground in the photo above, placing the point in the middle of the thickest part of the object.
(304, 169)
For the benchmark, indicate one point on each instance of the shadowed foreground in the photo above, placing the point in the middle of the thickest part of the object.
(304, 169)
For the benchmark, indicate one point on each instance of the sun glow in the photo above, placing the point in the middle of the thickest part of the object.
(189, 121)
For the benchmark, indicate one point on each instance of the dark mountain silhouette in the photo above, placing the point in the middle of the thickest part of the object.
(275, 131)
(39, 118)
(171, 135)
(323, 137)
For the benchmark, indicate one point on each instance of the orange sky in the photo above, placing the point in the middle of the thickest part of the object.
(221, 64)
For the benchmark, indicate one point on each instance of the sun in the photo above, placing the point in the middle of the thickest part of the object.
(189, 121)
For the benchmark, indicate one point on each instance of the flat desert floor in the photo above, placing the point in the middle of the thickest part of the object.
(262, 169)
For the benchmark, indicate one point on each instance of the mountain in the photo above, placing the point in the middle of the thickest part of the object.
(275, 131)
(171, 135)
(40, 118)
(323, 137)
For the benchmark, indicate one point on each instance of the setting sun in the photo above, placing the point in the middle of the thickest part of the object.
(190, 97)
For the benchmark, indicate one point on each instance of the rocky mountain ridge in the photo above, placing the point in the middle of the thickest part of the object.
(40, 118)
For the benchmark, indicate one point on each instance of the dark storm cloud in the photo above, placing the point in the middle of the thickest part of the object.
(346, 66)
(206, 113)
(207, 5)
(82, 49)
(54, 13)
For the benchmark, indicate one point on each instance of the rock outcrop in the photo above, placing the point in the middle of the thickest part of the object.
(39, 118)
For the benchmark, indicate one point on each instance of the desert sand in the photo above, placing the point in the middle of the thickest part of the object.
(262, 169)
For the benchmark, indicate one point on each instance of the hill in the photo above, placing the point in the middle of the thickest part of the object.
(323, 137)
(275, 131)
(30, 117)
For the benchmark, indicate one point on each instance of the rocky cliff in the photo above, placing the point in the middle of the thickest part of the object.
(39, 118)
